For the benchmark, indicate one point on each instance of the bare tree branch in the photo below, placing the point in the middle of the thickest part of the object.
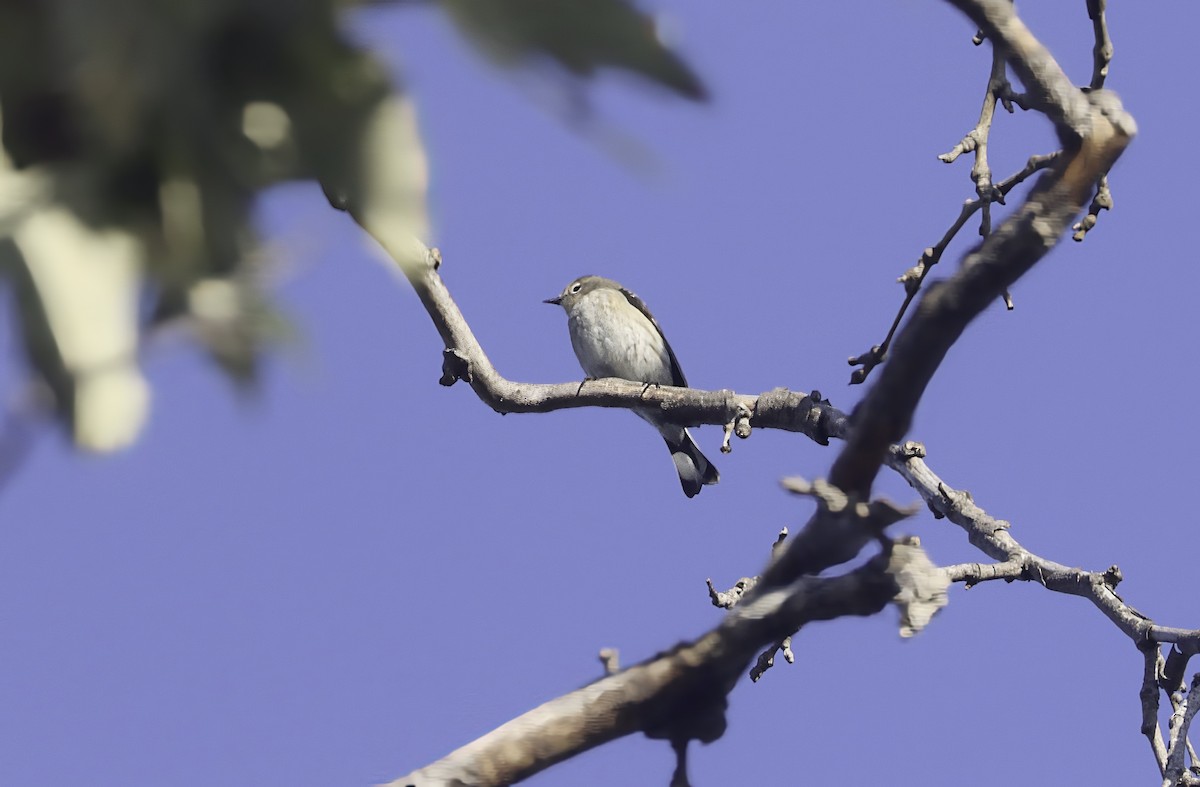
(977, 140)
(1153, 661)
(465, 359)
(728, 599)
(993, 537)
(1048, 89)
(1181, 720)
(884, 415)
(766, 659)
(1102, 201)
(678, 695)
(1037, 69)
(914, 277)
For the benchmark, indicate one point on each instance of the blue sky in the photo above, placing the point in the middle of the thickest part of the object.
(355, 571)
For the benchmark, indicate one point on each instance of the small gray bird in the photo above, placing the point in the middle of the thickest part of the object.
(614, 335)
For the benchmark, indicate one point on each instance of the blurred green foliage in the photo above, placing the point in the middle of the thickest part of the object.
(139, 132)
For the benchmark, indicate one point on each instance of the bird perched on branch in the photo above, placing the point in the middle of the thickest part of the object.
(614, 335)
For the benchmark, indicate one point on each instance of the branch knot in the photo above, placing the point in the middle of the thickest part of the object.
(455, 367)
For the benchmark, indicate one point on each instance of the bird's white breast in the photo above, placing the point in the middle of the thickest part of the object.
(612, 338)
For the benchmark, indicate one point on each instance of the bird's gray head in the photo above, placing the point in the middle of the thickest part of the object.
(574, 291)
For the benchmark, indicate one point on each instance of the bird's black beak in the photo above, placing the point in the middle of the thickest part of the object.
(556, 300)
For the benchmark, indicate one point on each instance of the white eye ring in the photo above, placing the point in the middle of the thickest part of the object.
(576, 287)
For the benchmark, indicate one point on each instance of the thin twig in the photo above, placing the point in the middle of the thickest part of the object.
(728, 599)
(1102, 201)
(1102, 52)
(766, 659)
(914, 277)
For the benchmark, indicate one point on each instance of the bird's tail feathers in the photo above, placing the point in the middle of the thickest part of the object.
(695, 471)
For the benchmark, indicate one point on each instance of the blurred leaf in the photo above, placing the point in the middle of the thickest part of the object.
(235, 320)
(77, 293)
(385, 190)
(138, 134)
(580, 35)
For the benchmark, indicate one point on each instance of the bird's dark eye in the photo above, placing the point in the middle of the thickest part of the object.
(576, 287)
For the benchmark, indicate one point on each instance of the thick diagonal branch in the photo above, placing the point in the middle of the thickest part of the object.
(677, 695)
(945, 310)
